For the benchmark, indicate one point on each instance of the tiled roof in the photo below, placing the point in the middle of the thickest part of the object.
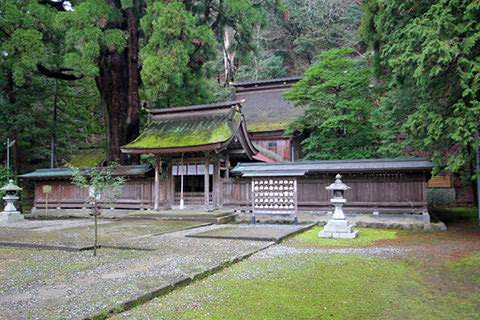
(266, 81)
(264, 107)
(127, 171)
(301, 168)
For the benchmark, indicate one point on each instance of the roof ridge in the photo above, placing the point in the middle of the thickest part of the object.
(263, 81)
(196, 107)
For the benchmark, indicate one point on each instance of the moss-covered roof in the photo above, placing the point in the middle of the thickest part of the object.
(188, 129)
(88, 158)
(266, 110)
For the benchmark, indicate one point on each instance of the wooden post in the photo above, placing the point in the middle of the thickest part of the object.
(157, 182)
(170, 184)
(216, 183)
(219, 185)
(227, 166)
(181, 186)
(206, 183)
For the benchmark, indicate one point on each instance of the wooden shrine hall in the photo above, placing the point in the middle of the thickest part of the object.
(194, 148)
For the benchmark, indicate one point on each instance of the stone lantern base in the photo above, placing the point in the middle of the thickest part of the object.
(10, 213)
(11, 216)
(338, 229)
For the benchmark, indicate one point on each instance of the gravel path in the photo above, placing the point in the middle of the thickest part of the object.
(282, 250)
(64, 285)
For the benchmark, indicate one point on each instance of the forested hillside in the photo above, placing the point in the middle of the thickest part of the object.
(383, 78)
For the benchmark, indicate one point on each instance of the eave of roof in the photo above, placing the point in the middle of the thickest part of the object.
(200, 107)
(267, 81)
(62, 173)
(364, 165)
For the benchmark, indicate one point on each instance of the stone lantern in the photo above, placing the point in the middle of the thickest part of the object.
(10, 213)
(338, 227)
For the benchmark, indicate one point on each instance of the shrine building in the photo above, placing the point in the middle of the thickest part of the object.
(223, 154)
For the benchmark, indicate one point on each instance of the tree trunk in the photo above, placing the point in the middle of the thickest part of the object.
(229, 58)
(95, 241)
(118, 83)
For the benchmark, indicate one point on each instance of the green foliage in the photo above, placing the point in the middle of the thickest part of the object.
(174, 55)
(240, 15)
(337, 104)
(431, 51)
(301, 29)
(31, 36)
(265, 65)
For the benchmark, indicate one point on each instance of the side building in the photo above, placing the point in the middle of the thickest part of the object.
(268, 115)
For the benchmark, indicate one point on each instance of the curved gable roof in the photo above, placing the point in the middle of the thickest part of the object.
(191, 128)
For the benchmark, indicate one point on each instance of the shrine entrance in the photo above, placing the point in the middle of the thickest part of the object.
(193, 148)
(193, 182)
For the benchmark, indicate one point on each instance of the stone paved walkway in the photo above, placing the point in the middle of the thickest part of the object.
(258, 232)
(53, 284)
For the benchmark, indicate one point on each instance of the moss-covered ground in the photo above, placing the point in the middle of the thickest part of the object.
(448, 215)
(365, 237)
(385, 275)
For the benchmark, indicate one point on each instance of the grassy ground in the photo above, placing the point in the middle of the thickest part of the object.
(385, 275)
(365, 237)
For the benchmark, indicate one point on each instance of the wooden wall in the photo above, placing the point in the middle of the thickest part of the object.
(400, 192)
(280, 146)
(137, 194)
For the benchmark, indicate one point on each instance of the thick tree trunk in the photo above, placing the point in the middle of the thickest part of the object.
(118, 82)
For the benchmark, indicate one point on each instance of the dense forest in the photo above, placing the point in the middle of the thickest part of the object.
(382, 78)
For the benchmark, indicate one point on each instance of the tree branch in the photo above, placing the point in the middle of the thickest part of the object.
(58, 74)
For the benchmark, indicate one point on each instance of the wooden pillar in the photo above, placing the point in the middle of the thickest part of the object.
(157, 183)
(206, 183)
(227, 167)
(219, 186)
(216, 183)
(181, 186)
(170, 184)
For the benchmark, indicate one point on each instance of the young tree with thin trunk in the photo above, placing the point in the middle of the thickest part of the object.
(103, 189)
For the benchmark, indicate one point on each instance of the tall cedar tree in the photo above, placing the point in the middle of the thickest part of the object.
(102, 39)
(337, 104)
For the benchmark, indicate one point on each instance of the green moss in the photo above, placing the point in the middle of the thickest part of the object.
(88, 158)
(365, 237)
(266, 126)
(187, 132)
(467, 267)
(290, 287)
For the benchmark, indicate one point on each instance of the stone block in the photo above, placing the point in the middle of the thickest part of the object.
(11, 217)
(338, 229)
(338, 235)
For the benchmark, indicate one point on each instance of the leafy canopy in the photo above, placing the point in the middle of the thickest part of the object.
(431, 51)
(337, 104)
(174, 55)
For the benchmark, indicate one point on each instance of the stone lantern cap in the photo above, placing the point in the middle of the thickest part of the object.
(338, 184)
(10, 187)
